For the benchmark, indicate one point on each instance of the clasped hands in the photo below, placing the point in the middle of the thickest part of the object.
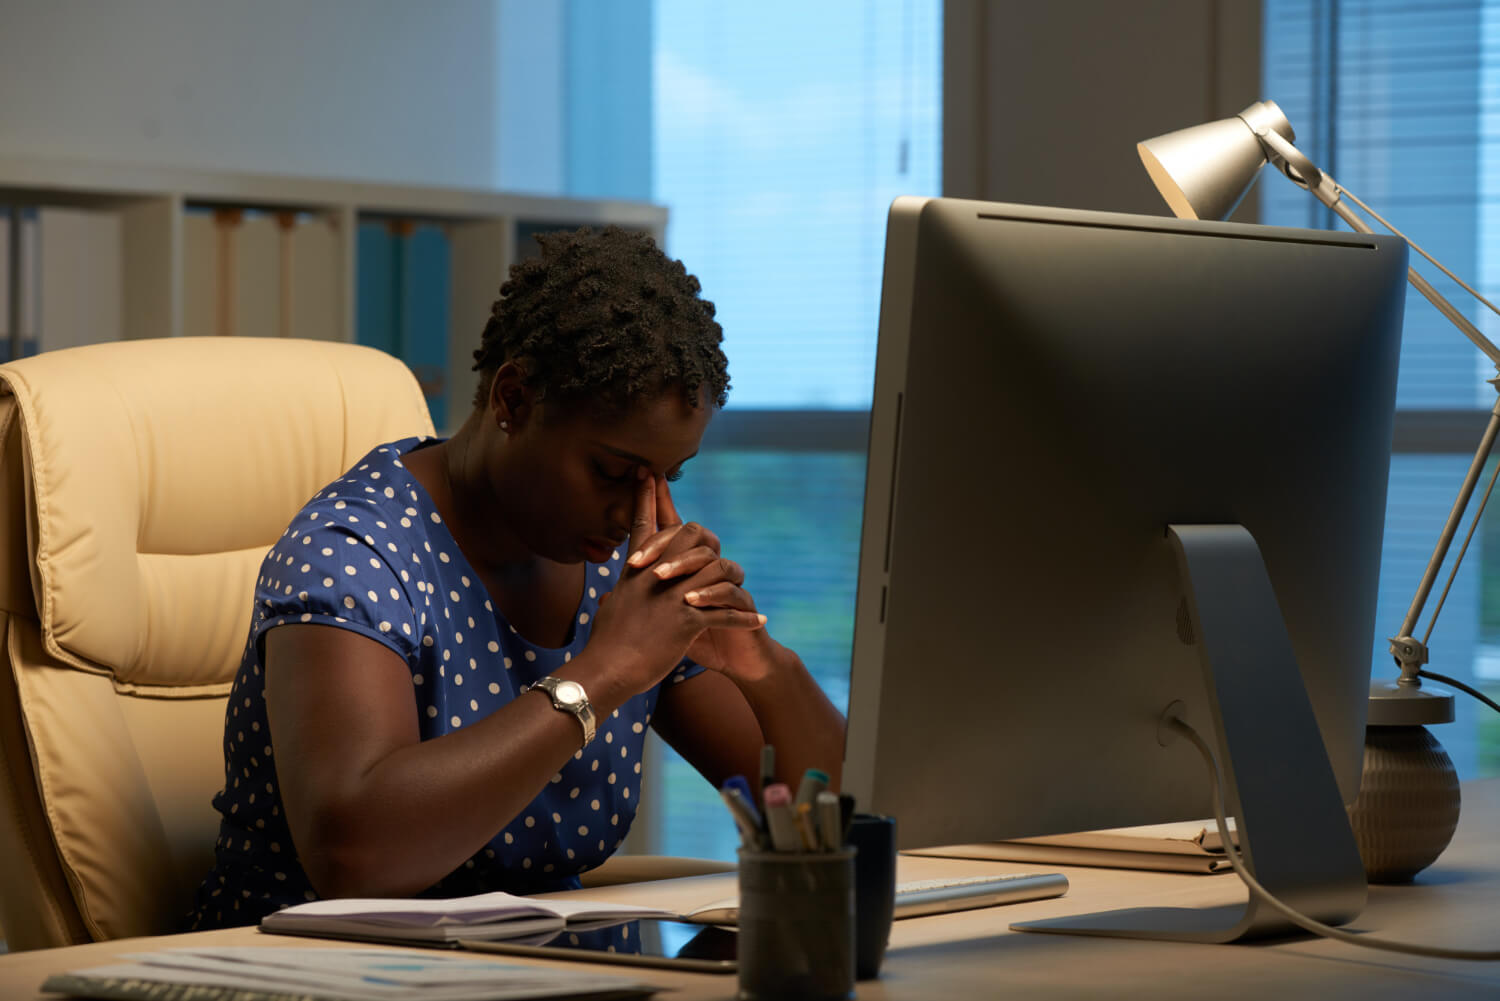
(680, 566)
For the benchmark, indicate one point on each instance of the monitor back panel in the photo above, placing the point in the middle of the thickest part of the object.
(1054, 388)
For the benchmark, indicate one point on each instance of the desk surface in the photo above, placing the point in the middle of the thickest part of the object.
(974, 954)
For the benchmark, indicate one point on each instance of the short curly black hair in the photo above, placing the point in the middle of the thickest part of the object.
(603, 320)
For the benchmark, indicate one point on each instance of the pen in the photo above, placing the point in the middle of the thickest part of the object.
(767, 768)
(814, 781)
(830, 822)
(779, 821)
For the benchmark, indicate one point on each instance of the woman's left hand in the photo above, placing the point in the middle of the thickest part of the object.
(689, 550)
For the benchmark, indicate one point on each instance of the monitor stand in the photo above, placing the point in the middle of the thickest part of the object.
(1293, 830)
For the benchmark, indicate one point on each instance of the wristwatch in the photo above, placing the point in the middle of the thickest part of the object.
(568, 697)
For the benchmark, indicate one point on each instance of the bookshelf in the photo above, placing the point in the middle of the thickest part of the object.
(126, 251)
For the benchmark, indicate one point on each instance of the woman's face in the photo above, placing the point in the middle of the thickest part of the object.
(568, 483)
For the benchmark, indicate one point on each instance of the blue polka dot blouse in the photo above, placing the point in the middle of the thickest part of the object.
(370, 553)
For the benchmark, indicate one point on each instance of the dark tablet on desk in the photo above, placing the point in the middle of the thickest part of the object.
(678, 945)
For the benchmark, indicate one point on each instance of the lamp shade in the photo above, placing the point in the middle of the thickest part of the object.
(1203, 172)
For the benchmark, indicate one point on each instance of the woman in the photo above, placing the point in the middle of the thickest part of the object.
(407, 717)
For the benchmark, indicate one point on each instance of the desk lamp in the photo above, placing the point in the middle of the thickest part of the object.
(1408, 804)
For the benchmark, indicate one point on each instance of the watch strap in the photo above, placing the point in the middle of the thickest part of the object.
(581, 710)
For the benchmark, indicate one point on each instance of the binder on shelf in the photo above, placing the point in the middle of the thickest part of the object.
(314, 258)
(29, 274)
(81, 285)
(135, 253)
(260, 274)
(403, 308)
(71, 290)
(376, 288)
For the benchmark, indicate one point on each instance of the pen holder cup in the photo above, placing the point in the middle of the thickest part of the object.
(796, 926)
(874, 838)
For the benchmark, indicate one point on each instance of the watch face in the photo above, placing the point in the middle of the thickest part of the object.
(570, 692)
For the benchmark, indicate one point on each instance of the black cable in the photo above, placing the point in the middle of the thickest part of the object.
(1296, 917)
(1443, 679)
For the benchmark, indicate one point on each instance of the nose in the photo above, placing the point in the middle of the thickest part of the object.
(618, 517)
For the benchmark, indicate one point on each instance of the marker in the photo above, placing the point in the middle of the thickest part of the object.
(767, 768)
(779, 818)
(738, 783)
(814, 781)
(805, 830)
(744, 818)
(830, 822)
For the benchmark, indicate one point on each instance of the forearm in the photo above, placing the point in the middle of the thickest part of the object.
(424, 808)
(795, 717)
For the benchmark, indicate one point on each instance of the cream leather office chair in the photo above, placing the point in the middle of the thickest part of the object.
(141, 483)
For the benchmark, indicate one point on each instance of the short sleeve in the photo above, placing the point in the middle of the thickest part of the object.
(340, 564)
(685, 669)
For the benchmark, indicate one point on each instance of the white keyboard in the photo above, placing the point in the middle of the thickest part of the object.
(938, 896)
(930, 896)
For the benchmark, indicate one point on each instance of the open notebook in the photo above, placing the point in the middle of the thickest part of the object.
(444, 921)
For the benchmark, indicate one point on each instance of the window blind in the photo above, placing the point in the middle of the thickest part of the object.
(782, 131)
(1398, 101)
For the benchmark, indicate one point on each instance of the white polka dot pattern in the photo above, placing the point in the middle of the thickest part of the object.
(382, 563)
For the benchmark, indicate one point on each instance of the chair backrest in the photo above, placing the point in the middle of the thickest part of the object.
(141, 483)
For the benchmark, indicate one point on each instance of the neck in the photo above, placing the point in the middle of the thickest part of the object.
(473, 508)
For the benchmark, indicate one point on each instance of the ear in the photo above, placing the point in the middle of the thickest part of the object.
(510, 400)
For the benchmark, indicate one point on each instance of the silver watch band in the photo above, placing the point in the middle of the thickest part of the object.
(569, 697)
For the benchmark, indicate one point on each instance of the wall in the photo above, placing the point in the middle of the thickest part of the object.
(530, 152)
(575, 87)
(1044, 102)
(377, 90)
(609, 80)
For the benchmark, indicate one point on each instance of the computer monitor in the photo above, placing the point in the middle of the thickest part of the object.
(1054, 389)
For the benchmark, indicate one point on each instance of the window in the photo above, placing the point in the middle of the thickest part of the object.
(781, 133)
(1399, 102)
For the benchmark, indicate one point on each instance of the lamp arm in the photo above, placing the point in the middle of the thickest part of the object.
(1415, 246)
(1417, 282)
(1301, 171)
(1410, 652)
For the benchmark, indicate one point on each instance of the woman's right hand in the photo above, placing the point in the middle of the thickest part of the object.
(645, 625)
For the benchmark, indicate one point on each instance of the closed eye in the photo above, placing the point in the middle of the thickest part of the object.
(610, 477)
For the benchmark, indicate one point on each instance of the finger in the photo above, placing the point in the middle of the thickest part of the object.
(666, 509)
(672, 542)
(721, 595)
(689, 561)
(652, 549)
(730, 618)
(643, 522)
(705, 567)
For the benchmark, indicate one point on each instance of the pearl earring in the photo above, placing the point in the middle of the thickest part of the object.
(505, 425)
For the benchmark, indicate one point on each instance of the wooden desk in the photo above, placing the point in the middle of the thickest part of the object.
(974, 954)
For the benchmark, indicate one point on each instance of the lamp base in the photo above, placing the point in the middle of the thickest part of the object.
(1408, 803)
